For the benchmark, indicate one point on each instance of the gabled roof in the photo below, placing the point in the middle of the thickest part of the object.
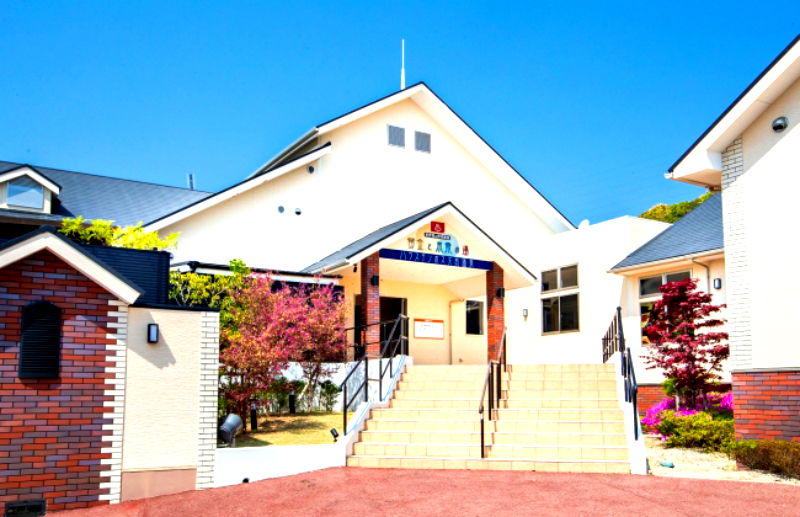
(698, 232)
(102, 197)
(33, 173)
(234, 190)
(359, 245)
(46, 238)
(373, 241)
(435, 107)
(705, 154)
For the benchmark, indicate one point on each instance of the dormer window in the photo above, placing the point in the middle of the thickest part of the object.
(26, 189)
(23, 192)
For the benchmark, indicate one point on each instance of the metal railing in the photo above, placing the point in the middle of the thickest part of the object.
(391, 345)
(493, 387)
(614, 341)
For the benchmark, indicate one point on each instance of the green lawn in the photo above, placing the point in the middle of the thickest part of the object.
(300, 429)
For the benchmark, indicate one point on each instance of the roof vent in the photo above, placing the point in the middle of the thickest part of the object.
(397, 136)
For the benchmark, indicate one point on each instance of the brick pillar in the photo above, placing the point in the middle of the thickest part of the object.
(494, 311)
(371, 303)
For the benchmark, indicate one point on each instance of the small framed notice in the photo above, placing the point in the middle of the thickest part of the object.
(428, 329)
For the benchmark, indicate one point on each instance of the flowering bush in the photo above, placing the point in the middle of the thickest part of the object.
(718, 405)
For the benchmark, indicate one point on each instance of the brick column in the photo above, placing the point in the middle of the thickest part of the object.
(371, 302)
(494, 311)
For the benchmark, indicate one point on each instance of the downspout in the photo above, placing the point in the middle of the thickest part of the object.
(708, 273)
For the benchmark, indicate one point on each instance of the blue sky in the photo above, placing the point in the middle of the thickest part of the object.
(592, 103)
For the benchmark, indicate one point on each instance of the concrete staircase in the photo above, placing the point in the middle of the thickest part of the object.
(557, 418)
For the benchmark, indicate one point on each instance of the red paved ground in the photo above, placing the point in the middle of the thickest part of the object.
(372, 492)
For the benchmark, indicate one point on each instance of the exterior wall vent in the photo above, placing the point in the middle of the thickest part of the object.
(397, 136)
(422, 141)
(40, 343)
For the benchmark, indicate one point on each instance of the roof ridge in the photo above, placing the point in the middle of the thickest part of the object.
(17, 164)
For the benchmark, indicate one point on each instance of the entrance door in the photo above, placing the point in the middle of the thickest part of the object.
(391, 308)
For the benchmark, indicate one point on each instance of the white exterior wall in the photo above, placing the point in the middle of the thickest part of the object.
(631, 313)
(596, 249)
(759, 200)
(361, 185)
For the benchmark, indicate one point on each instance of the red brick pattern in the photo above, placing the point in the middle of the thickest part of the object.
(767, 405)
(494, 310)
(51, 430)
(651, 394)
(371, 302)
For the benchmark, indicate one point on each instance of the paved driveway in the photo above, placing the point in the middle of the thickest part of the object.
(349, 491)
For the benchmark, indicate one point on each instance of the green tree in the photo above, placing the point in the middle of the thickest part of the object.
(672, 213)
(104, 233)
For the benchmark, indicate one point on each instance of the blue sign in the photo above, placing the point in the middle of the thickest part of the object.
(430, 258)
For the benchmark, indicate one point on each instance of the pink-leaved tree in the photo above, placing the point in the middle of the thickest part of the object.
(272, 326)
(682, 341)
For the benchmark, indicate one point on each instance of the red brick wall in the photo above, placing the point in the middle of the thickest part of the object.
(371, 302)
(495, 311)
(51, 430)
(767, 405)
(652, 394)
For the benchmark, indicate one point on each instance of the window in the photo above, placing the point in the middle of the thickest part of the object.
(40, 346)
(397, 136)
(422, 141)
(650, 285)
(474, 317)
(24, 192)
(560, 313)
(561, 278)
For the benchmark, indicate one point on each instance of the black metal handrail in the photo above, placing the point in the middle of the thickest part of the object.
(614, 341)
(394, 343)
(364, 358)
(493, 386)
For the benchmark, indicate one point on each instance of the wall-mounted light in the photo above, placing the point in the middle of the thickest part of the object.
(779, 124)
(501, 292)
(310, 169)
(717, 283)
(374, 281)
(335, 434)
(355, 268)
(525, 313)
(152, 332)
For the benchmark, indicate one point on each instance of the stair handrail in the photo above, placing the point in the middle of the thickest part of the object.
(613, 342)
(385, 352)
(364, 385)
(493, 386)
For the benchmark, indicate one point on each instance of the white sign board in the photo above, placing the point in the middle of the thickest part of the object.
(428, 329)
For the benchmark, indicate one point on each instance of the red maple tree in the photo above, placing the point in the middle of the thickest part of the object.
(682, 343)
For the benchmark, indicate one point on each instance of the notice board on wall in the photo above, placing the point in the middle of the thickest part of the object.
(428, 329)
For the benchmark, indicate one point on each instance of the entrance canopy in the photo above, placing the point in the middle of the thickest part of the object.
(440, 246)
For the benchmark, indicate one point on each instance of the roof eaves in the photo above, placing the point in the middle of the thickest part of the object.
(686, 256)
(735, 102)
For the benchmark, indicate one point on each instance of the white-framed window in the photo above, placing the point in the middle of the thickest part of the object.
(474, 314)
(560, 300)
(397, 136)
(23, 192)
(650, 285)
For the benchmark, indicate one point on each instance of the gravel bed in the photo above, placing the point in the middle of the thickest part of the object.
(693, 463)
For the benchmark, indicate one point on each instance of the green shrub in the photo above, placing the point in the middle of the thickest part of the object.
(328, 391)
(696, 430)
(778, 456)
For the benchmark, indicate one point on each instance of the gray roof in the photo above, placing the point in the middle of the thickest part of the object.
(355, 247)
(101, 197)
(698, 231)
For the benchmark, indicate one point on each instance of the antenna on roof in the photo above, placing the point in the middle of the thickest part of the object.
(190, 181)
(402, 64)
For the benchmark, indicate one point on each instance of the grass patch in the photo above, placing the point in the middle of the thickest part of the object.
(300, 429)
